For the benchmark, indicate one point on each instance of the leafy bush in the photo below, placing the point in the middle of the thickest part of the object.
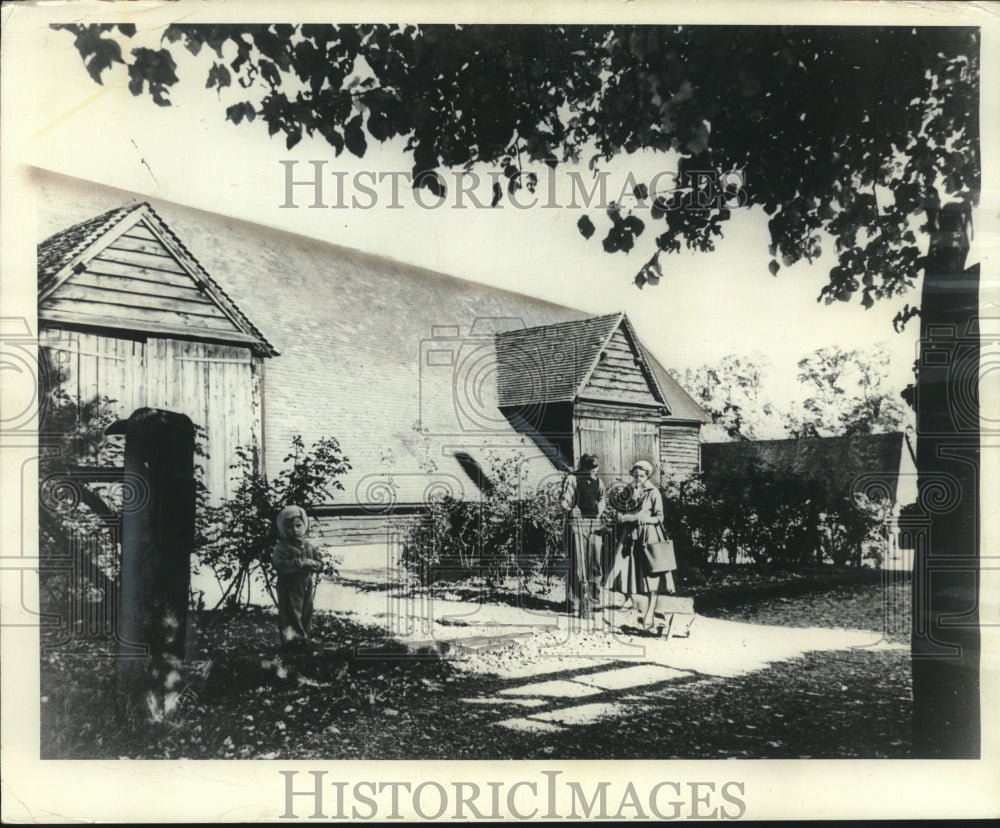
(771, 519)
(504, 534)
(81, 502)
(240, 533)
(79, 514)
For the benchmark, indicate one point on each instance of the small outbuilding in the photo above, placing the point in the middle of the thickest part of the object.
(589, 386)
(127, 313)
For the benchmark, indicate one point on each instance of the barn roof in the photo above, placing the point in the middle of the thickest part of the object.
(395, 361)
(60, 251)
(552, 363)
(844, 464)
(69, 251)
(682, 406)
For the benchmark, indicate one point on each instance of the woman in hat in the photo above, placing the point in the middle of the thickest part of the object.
(582, 501)
(641, 523)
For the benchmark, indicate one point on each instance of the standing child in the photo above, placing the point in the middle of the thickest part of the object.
(295, 560)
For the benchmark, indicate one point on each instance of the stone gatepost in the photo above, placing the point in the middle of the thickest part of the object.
(157, 542)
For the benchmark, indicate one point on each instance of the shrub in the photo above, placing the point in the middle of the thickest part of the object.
(770, 519)
(79, 513)
(505, 533)
(240, 533)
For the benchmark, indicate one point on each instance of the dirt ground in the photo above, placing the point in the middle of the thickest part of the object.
(823, 674)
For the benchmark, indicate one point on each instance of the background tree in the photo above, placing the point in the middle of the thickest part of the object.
(847, 394)
(840, 134)
(732, 391)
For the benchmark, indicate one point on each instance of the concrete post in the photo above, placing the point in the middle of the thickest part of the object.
(157, 542)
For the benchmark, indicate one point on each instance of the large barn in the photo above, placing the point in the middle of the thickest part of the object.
(260, 335)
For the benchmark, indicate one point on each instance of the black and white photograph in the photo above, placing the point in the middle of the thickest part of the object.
(423, 414)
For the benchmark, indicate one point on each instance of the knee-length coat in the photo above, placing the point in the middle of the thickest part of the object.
(629, 571)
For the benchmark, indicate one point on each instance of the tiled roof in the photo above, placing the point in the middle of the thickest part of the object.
(70, 246)
(549, 363)
(681, 405)
(841, 463)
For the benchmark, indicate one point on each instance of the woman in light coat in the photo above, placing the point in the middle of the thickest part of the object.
(641, 523)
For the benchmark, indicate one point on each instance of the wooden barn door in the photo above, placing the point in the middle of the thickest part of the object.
(618, 444)
(217, 386)
(598, 436)
(640, 441)
(213, 385)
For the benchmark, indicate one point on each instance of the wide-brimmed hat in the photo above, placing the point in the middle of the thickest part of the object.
(588, 462)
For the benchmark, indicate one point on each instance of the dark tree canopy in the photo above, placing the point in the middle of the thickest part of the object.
(843, 135)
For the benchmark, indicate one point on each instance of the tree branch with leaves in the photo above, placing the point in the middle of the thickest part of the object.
(843, 136)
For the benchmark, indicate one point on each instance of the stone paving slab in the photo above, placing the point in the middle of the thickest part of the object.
(579, 714)
(529, 726)
(565, 689)
(512, 702)
(626, 677)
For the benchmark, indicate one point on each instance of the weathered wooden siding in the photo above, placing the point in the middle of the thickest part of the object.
(352, 530)
(680, 450)
(137, 282)
(217, 386)
(618, 377)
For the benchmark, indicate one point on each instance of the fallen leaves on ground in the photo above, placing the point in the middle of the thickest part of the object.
(357, 695)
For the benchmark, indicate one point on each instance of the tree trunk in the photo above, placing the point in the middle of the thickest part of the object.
(945, 649)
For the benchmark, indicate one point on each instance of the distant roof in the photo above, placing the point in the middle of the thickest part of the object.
(844, 464)
(64, 252)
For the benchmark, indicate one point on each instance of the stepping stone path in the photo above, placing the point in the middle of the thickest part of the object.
(556, 671)
(604, 682)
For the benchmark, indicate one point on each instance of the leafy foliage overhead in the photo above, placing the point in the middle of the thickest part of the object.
(841, 134)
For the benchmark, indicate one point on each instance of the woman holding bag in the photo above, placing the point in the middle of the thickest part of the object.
(650, 558)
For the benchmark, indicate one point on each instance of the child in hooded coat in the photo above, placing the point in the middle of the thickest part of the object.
(295, 560)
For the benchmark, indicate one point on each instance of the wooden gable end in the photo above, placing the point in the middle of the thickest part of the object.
(138, 280)
(618, 375)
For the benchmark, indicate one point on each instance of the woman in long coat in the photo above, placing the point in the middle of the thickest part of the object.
(641, 523)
